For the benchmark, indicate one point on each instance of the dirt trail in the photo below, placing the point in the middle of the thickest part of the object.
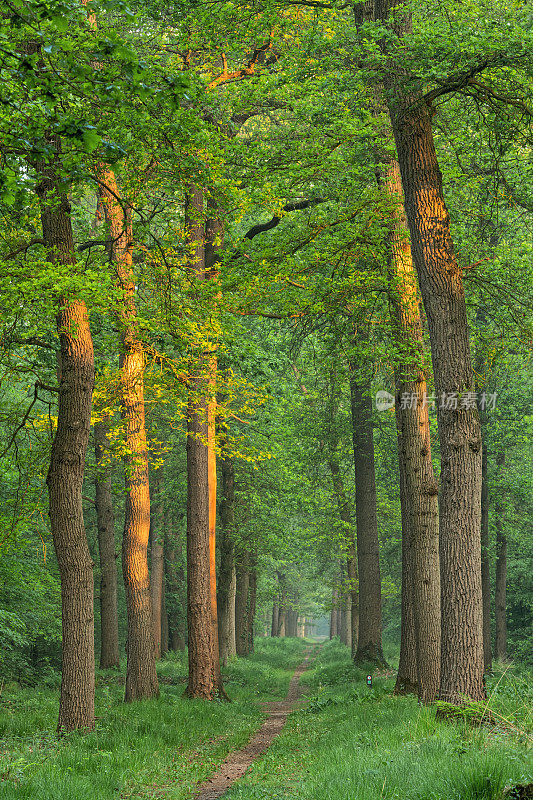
(236, 763)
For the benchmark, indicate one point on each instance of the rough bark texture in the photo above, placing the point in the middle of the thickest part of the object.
(109, 650)
(242, 568)
(226, 574)
(500, 588)
(462, 663)
(67, 462)
(141, 678)
(419, 489)
(203, 661)
(369, 647)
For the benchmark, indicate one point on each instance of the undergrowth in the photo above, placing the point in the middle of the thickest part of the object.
(145, 749)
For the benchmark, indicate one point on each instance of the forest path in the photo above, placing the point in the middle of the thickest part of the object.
(236, 763)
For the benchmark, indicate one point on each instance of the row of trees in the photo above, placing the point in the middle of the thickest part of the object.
(237, 214)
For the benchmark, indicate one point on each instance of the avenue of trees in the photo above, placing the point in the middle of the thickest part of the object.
(266, 293)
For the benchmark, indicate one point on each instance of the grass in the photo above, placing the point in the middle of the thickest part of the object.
(141, 750)
(349, 742)
(353, 742)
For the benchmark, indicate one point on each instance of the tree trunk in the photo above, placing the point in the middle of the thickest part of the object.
(242, 568)
(419, 492)
(333, 628)
(292, 622)
(176, 586)
(500, 600)
(141, 678)
(369, 647)
(351, 566)
(275, 618)
(164, 622)
(157, 574)
(485, 562)
(67, 461)
(109, 652)
(462, 663)
(407, 677)
(252, 598)
(226, 575)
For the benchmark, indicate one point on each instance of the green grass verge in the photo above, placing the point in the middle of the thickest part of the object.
(352, 742)
(157, 748)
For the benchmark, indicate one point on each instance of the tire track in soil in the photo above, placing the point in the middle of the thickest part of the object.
(236, 763)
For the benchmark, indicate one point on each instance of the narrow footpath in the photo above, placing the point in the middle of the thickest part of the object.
(236, 764)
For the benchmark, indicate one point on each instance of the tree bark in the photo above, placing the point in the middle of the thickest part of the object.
(157, 573)
(67, 461)
(141, 678)
(369, 647)
(500, 599)
(407, 677)
(109, 650)
(462, 663)
(176, 585)
(252, 599)
(333, 628)
(226, 576)
(275, 618)
(242, 568)
(164, 621)
(419, 489)
(485, 561)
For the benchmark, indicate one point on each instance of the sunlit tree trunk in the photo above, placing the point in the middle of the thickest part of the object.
(141, 678)
(462, 662)
(419, 487)
(204, 665)
(109, 650)
(67, 460)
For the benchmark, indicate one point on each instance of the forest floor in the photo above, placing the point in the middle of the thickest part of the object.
(347, 741)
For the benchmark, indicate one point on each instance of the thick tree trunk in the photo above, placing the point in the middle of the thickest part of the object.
(157, 573)
(485, 562)
(204, 664)
(67, 461)
(500, 587)
(226, 575)
(462, 663)
(369, 647)
(109, 651)
(141, 678)
(419, 492)
(292, 622)
(242, 568)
